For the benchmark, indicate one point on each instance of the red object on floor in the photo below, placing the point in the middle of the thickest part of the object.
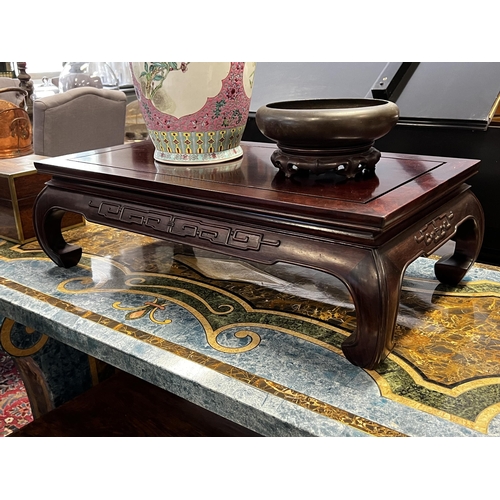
(15, 410)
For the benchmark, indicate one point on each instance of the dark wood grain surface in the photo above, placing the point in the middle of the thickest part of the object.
(126, 406)
(402, 184)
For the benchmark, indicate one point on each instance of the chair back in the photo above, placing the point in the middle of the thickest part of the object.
(81, 119)
(10, 93)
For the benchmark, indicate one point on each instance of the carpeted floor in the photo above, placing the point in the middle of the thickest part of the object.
(15, 411)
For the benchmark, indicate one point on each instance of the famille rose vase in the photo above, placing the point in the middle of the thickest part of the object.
(195, 112)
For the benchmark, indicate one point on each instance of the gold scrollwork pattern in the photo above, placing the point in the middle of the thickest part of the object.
(253, 339)
(147, 309)
(141, 282)
(63, 287)
(6, 332)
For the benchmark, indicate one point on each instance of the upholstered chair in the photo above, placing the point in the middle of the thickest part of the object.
(12, 96)
(80, 119)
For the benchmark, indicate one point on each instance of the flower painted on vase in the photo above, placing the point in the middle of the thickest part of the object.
(218, 107)
(155, 73)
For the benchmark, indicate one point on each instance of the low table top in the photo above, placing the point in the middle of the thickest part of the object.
(403, 184)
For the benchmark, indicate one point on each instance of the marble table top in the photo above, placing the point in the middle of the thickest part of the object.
(261, 344)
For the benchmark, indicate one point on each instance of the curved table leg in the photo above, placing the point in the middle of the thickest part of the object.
(53, 372)
(375, 286)
(468, 238)
(47, 224)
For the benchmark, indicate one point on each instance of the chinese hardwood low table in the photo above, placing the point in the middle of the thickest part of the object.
(365, 232)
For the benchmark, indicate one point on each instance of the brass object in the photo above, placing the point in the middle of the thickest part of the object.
(495, 111)
(16, 135)
(327, 134)
(7, 70)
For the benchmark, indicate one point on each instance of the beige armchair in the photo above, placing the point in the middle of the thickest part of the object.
(80, 119)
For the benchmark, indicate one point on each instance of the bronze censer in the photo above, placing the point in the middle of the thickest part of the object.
(16, 138)
(320, 135)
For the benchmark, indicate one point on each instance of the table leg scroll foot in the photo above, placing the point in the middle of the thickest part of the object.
(47, 224)
(375, 285)
(451, 269)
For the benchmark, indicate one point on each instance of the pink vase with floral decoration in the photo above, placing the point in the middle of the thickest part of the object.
(195, 112)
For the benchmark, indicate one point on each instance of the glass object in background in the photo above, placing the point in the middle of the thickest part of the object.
(87, 74)
(45, 89)
(122, 72)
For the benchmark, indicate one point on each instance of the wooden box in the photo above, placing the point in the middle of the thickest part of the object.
(20, 184)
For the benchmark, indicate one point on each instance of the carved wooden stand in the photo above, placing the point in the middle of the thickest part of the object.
(364, 232)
